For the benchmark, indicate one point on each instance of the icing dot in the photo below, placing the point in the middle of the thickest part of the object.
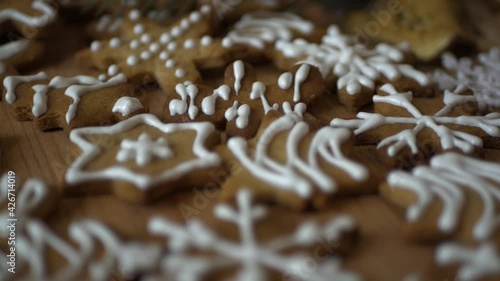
(145, 55)
(132, 60)
(95, 46)
(195, 17)
(102, 77)
(138, 28)
(172, 46)
(170, 63)
(206, 40)
(155, 47)
(185, 24)
(134, 44)
(164, 55)
(115, 43)
(189, 44)
(146, 38)
(176, 32)
(205, 9)
(113, 70)
(134, 15)
(165, 38)
(227, 43)
(179, 73)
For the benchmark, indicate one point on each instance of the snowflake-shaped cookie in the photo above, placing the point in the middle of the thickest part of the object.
(143, 158)
(294, 165)
(35, 241)
(240, 104)
(170, 54)
(253, 258)
(456, 196)
(408, 130)
(355, 68)
(70, 102)
(483, 77)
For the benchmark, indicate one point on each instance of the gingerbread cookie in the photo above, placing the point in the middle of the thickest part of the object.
(278, 257)
(170, 54)
(297, 166)
(430, 27)
(71, 102)
(482, 77)
(354, 68)
(240, 104)
(456, 196)
(408, 130)
(141, 159)
(29, 17)
(474, 264)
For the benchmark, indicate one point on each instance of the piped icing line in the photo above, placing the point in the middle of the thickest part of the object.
(300, 77)
(13, 48)
(296, 175)
(239, 74)
(253, 257)
(474, 263)
(76, 91)
(241, 113)
(490, 124)
(48, 15)
(353, 64)
(10, 84)
(447, 178)
(143, 150)
(208, 103)
(127, 105)
(76, 173)
(179, 107)
(261, 28)
(58, 82)
(259, 92)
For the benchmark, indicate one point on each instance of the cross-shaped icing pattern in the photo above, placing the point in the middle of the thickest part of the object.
(164, 156)
(70, 102)
(171, 54)
(483, 77)
(462, 185)
(143, 150)
(355, 68)
(240, 104)
(252, 257)
(479, 263)
(451, 131)
(306, 176)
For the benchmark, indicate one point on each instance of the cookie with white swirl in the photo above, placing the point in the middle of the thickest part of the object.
(30, 18)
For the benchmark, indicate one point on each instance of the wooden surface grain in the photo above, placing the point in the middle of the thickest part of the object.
(381, 255)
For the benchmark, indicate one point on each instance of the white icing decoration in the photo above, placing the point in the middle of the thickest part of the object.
(179, 73)
(102, 77)
(179, 107)
(139, 28)
(145, 55)
(261, 28)
(76, 91)
(165, 38)
(10, 84)
(285, 80)
(132, 60)
(204, 159)
(354, 64)
(208, 103)
(95, 46)
(127, 105)
(113, 70)
(172, 46)
(164, 55)
(155, 47)
(206, 40)
(253, 258)
(48, 15)
(297, 175)
(300, 77)
(241, 113)
(239, 74)
(259, 92)
(134, 15)
(143, 150)
(189, 44)
(146, 38)
(475, 264)
(170, 63)
(134, 44)
(449, 138)
(11, 49)
(115, 43)
(447, 178)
